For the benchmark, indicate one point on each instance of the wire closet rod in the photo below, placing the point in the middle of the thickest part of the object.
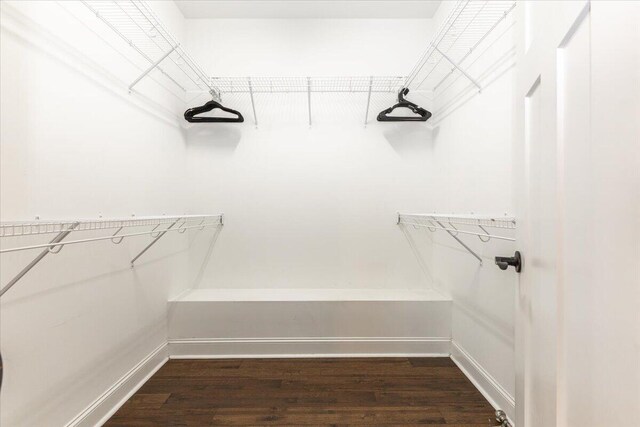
(435, 222)
(457, 230)
(64, 228)
(95, 239)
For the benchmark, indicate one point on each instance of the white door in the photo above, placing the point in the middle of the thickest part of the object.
(577, 160)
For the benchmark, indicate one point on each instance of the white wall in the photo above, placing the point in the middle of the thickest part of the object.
(308, 207)
(314, 207)
(470, 171)
(75, 144)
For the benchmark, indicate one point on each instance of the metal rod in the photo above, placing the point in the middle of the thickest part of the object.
(459, 68)
(95, 239)
(153, 242)
(366, 116)
(253, 105)
(309, 97)
(461, 242)
(154, 65)
(37, 259)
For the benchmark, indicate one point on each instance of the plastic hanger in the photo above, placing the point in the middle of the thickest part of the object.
(190, 114)
(423, 115)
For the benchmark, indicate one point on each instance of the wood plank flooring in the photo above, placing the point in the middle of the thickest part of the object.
(306, 392)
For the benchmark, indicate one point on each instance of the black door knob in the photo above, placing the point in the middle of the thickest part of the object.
(505, 262)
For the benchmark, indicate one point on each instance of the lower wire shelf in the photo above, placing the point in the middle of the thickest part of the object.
(476, 225)
(161, 226)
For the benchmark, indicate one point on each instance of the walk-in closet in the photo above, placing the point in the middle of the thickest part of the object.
(319, 213)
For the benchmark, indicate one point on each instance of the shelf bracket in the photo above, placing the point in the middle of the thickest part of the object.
(459, 241)
(154, 65)
(154, 241)
(253, 105)
(474, 81)
(366, 115)
(309, 97)
(37, 259)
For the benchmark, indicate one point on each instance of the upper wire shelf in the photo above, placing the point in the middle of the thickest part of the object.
(468, 24)
(342, 84)
(136, 23)
(308, 85)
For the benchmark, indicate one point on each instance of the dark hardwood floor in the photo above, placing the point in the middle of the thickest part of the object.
(303, 392)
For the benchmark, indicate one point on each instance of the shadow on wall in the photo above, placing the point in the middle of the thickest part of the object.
(207, 257)
(482, 315)
(409, 139)
(415, 248)
(464, 300)
(222, 137)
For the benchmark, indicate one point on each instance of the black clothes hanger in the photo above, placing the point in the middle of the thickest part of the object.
(189, 115)
(423, 115)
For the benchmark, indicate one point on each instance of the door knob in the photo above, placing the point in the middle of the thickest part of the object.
(504, 262)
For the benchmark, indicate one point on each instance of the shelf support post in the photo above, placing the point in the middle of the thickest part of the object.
(309, 97)
(474, 81)
(366, 115)
(253, 105)
(459, 241)
(37, 259)
(154, 241)
(154, 65)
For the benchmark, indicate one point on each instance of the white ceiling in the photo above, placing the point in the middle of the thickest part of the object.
(308, 8)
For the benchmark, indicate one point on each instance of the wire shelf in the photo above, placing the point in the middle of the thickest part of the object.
(161, 226)
(136, 23)
(506, 222)
(468, 24)
(31, 228)
(475, 225)
(342, 84)
(309, 85)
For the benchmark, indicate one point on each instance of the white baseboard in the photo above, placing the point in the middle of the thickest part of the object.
(497, 396)
(217, 348)
(111, 400)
